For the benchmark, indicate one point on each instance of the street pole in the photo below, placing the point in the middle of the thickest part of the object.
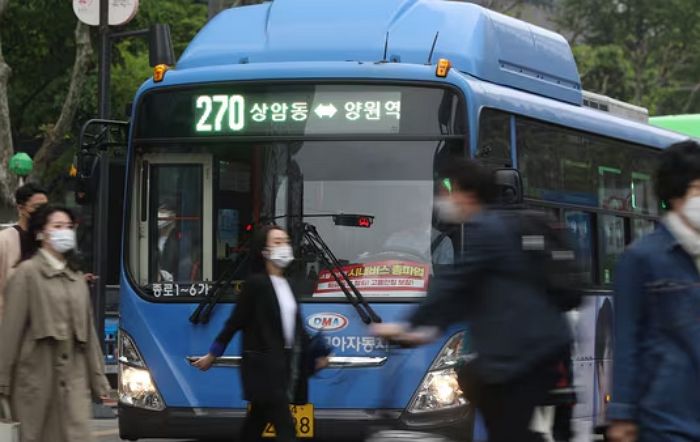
(100, 216)
(105, 61)
(100, 213)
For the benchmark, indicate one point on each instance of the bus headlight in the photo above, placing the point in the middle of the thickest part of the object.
(440, 389)
(136, 388)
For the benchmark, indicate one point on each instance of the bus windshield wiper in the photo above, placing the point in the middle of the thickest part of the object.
(329, 260)
(202, 313)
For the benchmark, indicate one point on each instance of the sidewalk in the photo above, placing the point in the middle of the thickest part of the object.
(107, 430)
(108, 408)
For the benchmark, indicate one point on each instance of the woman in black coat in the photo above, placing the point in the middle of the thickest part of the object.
(275, 343)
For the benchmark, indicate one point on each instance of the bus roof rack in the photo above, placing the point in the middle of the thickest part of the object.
(615, 107)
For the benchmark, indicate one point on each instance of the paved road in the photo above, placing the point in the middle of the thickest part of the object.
(105, 430)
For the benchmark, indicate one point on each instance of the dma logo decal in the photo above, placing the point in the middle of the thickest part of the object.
(327, 321)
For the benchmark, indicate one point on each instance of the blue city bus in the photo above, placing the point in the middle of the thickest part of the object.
(330, 118)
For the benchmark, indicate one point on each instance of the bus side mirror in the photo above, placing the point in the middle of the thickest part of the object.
(83, 193)
(86, 164)
(509, 185)
(160, 46)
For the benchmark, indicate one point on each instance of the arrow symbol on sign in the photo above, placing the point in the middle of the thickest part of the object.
(325, 110)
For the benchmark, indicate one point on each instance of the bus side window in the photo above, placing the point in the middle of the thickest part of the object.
(494, 147)
(581, 225)
(612, 191)
(642, 227)
(612, 240)
(233, 197)
(176, 226)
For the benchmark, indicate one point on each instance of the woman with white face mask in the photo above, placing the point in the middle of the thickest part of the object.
(51, 360)
(275, 344)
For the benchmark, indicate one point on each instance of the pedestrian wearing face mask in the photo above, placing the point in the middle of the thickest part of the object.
(168, 247)
(15, 241)
(51, 365)
(517, 333)
(656, 361)
(275, 344)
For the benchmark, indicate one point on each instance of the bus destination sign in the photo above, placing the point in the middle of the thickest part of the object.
(297, 110)
(317, 113)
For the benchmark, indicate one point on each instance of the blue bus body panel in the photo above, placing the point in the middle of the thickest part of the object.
(165, 339)
(477, 41)
(484, 94)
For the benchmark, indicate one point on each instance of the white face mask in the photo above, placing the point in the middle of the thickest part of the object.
(165, 219)
(280, 256)
(691, 211)
(447, 211)
(62, 240)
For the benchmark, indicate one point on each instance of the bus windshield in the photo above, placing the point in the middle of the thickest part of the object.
(195, 202)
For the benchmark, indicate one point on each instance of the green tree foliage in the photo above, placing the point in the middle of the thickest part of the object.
(39, 44)
(605, 69)
(642, 51)
(38, 38)
(516, 8)
(8, 181)
(130, 67)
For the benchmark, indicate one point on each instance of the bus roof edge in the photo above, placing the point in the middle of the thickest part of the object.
(476, 41)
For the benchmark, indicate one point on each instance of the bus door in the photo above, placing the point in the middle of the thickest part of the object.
(175, 219)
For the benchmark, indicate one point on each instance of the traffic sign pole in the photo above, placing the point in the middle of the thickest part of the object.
(100, 216)
(105, 60)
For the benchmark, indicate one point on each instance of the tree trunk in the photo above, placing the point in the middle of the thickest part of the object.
(216, 6)
(83, 58)
(502, 6)
(8, 181)
(691, 98)
(237, 3)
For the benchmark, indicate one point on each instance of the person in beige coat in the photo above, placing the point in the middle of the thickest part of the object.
(15, 240)
(51, 364)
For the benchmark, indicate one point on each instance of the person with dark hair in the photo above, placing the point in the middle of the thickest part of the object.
(656, 362)
(15, 241)
(51, 360)
(517, 333)
(275, 344)
(177, 253)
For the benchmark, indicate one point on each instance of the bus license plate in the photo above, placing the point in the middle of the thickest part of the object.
(303, 421)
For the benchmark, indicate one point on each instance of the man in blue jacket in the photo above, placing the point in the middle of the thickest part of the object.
(656, 378)
(517, 333)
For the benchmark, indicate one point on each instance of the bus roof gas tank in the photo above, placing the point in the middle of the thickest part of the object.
(476, 41)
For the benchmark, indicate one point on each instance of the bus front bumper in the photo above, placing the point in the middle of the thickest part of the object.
(331, 424)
